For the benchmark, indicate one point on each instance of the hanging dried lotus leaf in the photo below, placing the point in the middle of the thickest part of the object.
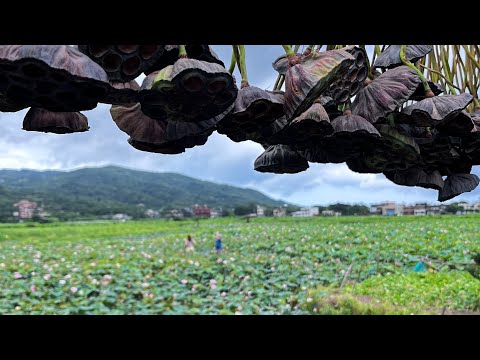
(457, 184)
(306, 81)
(123, 63)
(431, 111)
(46, 121)
(417, 177)
(280, 159)
(7, 105)
(390, 57)
(53, 77)
(385, 94)
(165, 148)
(122, 93)
(359, 165)
(460, 125)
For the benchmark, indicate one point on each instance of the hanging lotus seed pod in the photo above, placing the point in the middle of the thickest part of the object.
(385, 94)
(390, 57)
(280, 159)
(352, 135)
(46, 121)
(52, 77)
(123, 63)
(308, 127)
(122, 93)
(197, 52)
(307, 80)
(254, 109)
(457, 184)
(433, 110)
(190, 90)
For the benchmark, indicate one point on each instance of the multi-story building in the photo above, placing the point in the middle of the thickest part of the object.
(26, 209)
(200, 211)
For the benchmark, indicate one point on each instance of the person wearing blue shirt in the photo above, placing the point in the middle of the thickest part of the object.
(218, 242)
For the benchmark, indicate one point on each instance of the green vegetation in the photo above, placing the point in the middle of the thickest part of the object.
(269, 266)
(94, 192)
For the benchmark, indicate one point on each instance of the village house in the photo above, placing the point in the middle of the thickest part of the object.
(260, 210)
(121, 217)
(306, 212)
(200, 211)
(26, 209)
(215, 213)
(153, 214)
(330, 213)
(387, 208)
(279, 212)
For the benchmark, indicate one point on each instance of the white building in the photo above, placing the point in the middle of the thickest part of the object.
(279, 212)
(260, 210)
(305, 212)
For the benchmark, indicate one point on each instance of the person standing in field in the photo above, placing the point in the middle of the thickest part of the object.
(189, 244)
(218, 242)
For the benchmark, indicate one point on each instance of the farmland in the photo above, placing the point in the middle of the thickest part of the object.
(268, 266)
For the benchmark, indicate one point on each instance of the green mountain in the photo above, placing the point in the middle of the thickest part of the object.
(95, 192)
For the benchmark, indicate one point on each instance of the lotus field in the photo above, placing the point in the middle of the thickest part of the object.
(347, 265)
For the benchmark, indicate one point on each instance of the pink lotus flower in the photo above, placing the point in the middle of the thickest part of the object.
(184, 281)
(105, 282)
(223, 294)
(309, 299)
(213, 281)
(107, 277)
(47, 276)
(33, 288)
(213, 286)
(197, 263)
(62, 282)
(17, 275)
(2, 265)
(74, 289)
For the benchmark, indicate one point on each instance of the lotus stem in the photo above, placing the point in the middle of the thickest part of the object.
(233, 62)
(292, 56)
(288, 50)
(426, 87)
(441, 75)
(471, 57)
(182, 52)
(243, 66)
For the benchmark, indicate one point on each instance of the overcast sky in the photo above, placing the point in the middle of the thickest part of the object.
(219, 160)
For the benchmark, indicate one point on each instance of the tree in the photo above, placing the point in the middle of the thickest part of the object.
(453, 208)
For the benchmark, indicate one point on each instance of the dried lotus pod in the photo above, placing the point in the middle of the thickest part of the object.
(53, 77)
(254, 109)
(123, 63)
(190, 91)
(457, 184)
(280, 159)
(433, 110)
(46, 121)
(122, 93)
(385, 94)
(390, 57)
(352, 136)
(197, 52)
(307, 80)
(311, 124)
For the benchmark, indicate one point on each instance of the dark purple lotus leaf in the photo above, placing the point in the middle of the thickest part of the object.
(123, 63)
(254, 109)
(417, 177)
(306, 81)
(46, 121)
(397, 142)
(280, 159)
(358, 164)
(53, 77)
(122, 93)
(131, 120)
(385, 94)
(198, 52)
(431, 111)
(460, 125)
(390, 57)
(281, 64)
(419, 94)
(457, 184)
(190, 91)
(169, 148)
